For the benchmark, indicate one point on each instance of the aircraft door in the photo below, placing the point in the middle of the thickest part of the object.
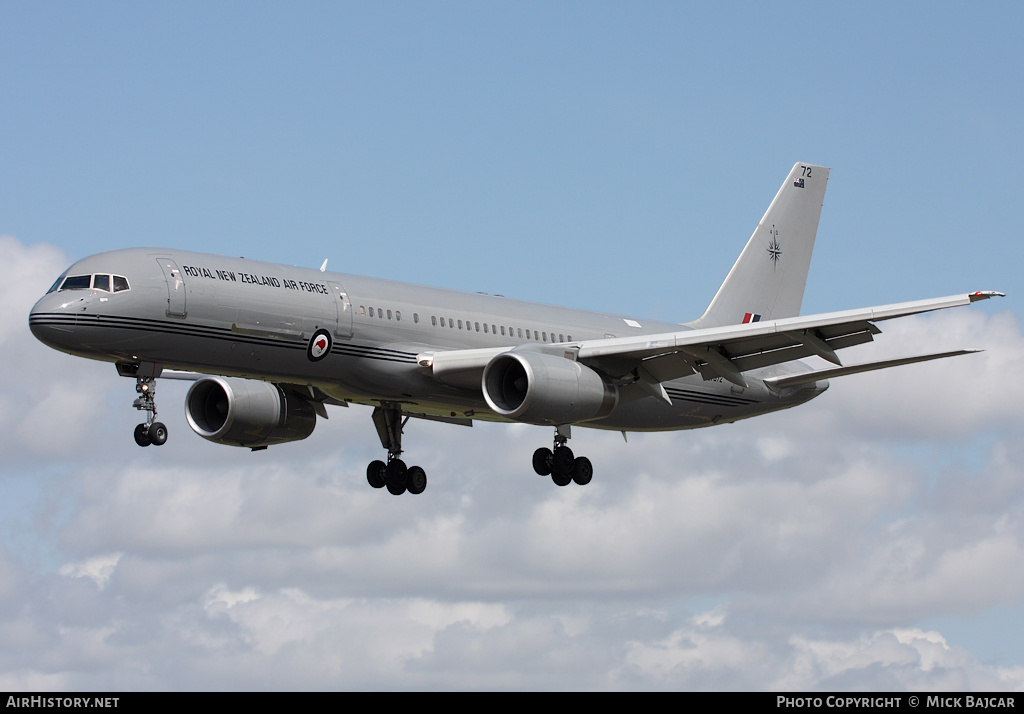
(344, 306)
(175, 287)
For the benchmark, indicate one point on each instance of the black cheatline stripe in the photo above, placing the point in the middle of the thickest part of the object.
(708, 396)
(712, 402)
(382, 350)
(219, 333)
(345, 350)
(719, 399)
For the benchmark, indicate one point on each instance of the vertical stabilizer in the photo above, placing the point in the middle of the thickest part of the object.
(768, 279)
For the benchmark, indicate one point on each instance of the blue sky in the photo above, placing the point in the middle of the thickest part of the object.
(599, 155)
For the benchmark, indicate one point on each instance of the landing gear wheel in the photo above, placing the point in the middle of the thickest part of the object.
(416, 480)
(396, 490)
(561, 479)
(375, 473)
(157, 433)
(582, 471)
(542, 461)
(394, 475)
(562, 460)
(142, 435)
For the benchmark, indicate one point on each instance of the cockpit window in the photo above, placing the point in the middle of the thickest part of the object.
(57, 282)
(100, 281)
(77, 282)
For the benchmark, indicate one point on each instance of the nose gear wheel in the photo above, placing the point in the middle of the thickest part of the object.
(152, 431)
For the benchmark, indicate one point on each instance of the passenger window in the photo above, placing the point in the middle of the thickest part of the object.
(477, 324)
(120, 283)
(416, 318)
(101, 282)
(561, 337)
(362, 311)
(502, 330)
(460, 324)
(519, 331)
(398, 315)
(545, 336)
(433, 320)
(389, 314)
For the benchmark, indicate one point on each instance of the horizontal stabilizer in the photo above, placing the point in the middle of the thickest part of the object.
(809, 377)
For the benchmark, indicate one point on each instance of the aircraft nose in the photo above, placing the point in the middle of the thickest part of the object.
(52, 320)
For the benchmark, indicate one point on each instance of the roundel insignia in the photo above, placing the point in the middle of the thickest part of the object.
(319, 345)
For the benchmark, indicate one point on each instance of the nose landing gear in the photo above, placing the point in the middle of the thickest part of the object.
(152, 431)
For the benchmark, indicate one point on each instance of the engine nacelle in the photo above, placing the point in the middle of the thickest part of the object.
(539, 388)
(246, 412)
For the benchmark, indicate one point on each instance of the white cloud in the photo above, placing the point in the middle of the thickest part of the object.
(98, 569)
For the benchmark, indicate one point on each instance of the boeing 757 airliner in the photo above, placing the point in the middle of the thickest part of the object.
(269, 347)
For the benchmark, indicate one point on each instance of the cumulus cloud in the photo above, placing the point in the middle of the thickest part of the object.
(823, 536)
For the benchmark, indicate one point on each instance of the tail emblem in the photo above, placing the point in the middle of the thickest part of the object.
(799, 183)
(774, 248)
(750, 317)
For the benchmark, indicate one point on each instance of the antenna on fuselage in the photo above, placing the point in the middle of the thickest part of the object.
(324, 266)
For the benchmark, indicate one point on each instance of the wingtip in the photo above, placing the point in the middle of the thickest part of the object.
(985, 295)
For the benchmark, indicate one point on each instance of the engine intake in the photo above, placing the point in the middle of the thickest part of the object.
(539, 388)
(246, 412)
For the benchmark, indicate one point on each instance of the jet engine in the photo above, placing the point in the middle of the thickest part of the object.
(246, 412)
(539, 388)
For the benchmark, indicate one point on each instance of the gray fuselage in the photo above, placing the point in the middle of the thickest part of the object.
(245, 318)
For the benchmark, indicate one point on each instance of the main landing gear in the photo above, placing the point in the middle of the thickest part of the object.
(395, 475)
(560, 463)
(152, 431)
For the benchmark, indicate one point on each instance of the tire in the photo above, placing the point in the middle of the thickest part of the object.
(157, 433)
(562, 460)
(394, 474)
(542, 461)
(582, 471)
(375, 474)
(142, 435)
(561, 479)
(416, 480)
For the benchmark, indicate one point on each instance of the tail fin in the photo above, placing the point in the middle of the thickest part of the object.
(768, 279)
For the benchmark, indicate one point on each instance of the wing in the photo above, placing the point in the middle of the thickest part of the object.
(725, 352)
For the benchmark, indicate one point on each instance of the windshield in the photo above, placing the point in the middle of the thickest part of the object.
(97, 281)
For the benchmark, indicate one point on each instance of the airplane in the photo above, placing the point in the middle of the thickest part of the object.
(270, 346)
